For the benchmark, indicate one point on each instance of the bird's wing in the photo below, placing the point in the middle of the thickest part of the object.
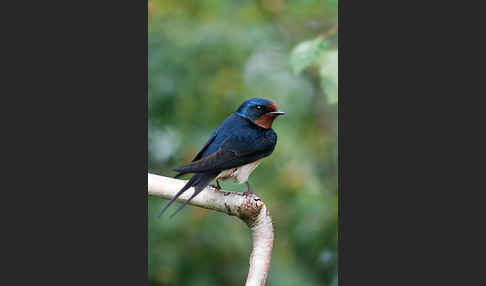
(228, 122)
(206, 145)
(234, 152)
(198, 156)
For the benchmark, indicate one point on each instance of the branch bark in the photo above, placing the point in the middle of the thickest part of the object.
(249, 208)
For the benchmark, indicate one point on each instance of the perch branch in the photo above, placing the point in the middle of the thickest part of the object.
(249, 208)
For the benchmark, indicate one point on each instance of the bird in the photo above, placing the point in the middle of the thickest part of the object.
(234, 149)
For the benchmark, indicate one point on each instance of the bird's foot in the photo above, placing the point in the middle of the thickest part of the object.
(252, 199)
(248, 192)
(214, 186)
(217, 186)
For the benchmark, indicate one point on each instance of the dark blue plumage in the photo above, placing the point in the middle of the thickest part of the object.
(234, 149)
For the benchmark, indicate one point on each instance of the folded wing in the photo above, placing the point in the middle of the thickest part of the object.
(234, 152)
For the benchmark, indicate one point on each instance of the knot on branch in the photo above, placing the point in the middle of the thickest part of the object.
(250, 209)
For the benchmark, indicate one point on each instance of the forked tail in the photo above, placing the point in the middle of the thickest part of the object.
(199, 182)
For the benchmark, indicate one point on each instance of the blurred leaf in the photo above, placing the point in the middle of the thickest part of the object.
(329, 75)
(306, 53)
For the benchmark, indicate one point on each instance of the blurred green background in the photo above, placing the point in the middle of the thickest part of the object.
(205, 59)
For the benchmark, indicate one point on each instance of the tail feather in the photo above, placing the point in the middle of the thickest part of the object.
(186, 202)
(199, 182)
(187, 186)
(180, 174)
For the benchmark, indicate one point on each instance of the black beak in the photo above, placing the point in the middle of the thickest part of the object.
(278, 112)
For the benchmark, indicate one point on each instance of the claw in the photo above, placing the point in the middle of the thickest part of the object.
(217, 186)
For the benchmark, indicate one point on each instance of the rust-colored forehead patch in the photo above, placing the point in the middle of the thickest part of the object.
(272, 106)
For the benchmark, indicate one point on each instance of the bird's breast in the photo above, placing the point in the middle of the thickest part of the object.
(240, 174)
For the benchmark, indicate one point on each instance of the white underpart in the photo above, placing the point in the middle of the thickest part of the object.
(240, 174)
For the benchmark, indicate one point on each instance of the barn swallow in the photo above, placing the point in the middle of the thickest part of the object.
(234, 149)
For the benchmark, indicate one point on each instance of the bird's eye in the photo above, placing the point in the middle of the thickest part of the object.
(259, 107)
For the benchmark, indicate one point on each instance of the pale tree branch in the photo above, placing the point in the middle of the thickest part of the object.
(249, 208)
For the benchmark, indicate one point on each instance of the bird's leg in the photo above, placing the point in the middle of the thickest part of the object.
(250, 196)
(248, 192)
(217, 187)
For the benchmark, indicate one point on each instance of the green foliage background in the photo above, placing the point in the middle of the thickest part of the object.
(205, 59)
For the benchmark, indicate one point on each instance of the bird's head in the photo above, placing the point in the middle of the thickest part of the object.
(260, 111)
